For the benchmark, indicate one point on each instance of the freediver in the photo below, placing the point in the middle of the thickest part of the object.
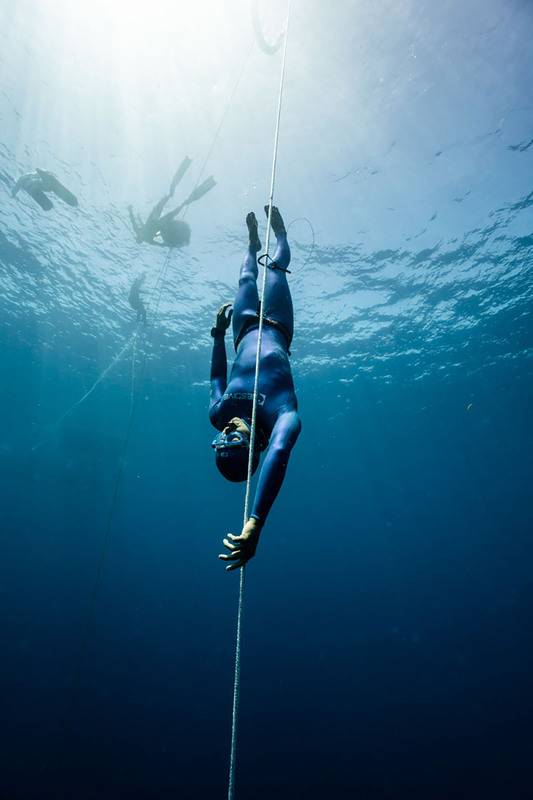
(135, 299)
(278, 424)
(166, 231)
(41, 181)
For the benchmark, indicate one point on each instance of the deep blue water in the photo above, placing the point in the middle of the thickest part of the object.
(387, 638)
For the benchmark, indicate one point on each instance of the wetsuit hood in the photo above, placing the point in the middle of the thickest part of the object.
(232, 462)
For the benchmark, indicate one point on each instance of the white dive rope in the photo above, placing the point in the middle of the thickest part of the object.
(237, 674)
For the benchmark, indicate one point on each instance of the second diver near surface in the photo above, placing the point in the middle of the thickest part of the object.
(278, 424)
(165, 230)
(39, 184)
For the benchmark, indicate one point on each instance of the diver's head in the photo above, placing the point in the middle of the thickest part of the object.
(232, 446)
(176, 233)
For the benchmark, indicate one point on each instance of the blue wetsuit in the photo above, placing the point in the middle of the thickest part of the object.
(277, 416)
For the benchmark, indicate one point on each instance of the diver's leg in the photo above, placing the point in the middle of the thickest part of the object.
(40, 198)
(247, 298)
(282, 256)
(180, 172)
(278, 304)
(62, 192)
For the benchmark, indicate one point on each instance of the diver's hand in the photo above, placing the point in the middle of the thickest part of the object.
(242, 548)
(224, 319)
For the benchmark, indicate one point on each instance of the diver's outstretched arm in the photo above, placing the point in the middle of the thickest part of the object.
(242, 548)
(282, 440)
(219, 373)
(135, 222)
(16, 187)
(219, 361)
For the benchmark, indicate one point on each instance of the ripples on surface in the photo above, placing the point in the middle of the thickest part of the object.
(404, 310)
(417, 189)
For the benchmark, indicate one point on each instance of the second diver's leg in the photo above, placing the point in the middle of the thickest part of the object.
(180, 172)
(247, 298)
(136, 222)
(41, 198)
(51, 183)
(278, 304)
(63, 193)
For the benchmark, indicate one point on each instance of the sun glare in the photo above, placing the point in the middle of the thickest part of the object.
(132, 31)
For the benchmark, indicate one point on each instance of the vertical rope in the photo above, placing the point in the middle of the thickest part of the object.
(237, 673)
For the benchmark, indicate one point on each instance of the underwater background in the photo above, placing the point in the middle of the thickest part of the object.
(387, 633)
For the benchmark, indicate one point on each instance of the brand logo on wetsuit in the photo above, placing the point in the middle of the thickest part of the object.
(245, 396)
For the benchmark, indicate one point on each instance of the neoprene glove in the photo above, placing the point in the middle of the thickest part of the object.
(223, 320)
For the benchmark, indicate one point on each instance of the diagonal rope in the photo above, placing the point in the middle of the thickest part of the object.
(237, 673)
(154, 301)
(157, 288)
(88, 625)
(222, 121)
(130, 343)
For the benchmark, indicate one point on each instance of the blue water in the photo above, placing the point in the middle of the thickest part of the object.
(387, 635)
